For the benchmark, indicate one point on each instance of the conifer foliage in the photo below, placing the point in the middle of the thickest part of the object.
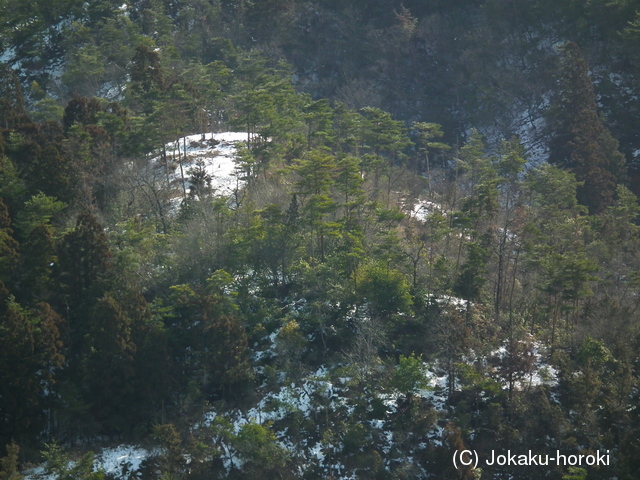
(581, 142)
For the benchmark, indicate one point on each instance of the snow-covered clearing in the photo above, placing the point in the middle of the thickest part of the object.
(213, 154)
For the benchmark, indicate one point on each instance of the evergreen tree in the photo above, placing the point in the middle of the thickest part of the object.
(273, 237)
(318, 118)
(84, 257)
(62, 467)
(29, 356)
(84, 268)
(209, 340)
(580, 142)
(385, 290)
(384, 139)
(37, 152)
(259, 448)
(37, 264)
(12, 104)
(171, 462)
(9, 464)
(154, 365)
(147, 78)
(86, 69)
(554, 245)
(8, 246)
(107, 365)
(478, 179)
(426, 133)
(53, 174)
(81, 110)
(315, 179)
(473, 276)
(12, 188)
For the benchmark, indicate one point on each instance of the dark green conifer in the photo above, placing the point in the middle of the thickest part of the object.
(107, 364)
(580, 142)
(29, 353)
(8, 246)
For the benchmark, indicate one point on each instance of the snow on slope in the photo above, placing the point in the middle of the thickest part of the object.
(215, 155)
(121, 462)
(423, 208)
(317, 391)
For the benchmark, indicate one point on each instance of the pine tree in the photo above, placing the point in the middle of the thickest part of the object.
(315, 173)
(171, 462)
(12, 186)
(273, 237)
(386, 291)
(53, 174)
(553, 243)
(147, 79)
(473, 275)
(426, 133)
(318, 118)
(154, 366)
(9, 464)
(385, 140)
(36, 151)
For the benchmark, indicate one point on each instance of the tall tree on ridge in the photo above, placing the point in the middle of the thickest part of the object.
(580, 142)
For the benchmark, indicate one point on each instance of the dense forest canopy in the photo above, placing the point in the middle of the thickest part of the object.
(318, 239)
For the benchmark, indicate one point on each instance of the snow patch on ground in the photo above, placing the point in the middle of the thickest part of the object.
(8, 56)
(168, 174)
(214, 153)
(423, 208)
(304, 397)
(122, 462)
(458, 303)
(37, 473)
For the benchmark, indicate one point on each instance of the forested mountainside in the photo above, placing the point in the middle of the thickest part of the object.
(290, 239)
